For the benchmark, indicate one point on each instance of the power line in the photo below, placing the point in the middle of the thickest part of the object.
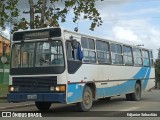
(157, 17)
(124, 2)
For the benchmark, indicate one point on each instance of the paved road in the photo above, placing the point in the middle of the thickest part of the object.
(150, 102)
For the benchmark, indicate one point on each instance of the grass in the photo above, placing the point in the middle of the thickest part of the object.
(3, 90)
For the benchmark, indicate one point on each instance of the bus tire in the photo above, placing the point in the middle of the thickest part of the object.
(128, 97)
(87, 100)
(136, 96)
(43, 106)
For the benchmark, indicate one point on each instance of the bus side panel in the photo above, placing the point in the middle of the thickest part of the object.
(74, 93)
(144, 74)
(113, 90)
(112, 86)
(151, 82)
(100, 90)
(126, 86)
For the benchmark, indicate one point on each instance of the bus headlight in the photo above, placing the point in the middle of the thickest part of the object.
(61, 88)
(57, 88)
(13, 89)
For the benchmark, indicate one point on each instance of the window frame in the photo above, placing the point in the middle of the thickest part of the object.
(116, 53)
(103, 51)
(145, 58)
(131, 55)
(89, 50)
(135, 56)
(151, 61)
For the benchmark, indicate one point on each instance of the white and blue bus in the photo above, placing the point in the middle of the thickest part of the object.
(53, 65)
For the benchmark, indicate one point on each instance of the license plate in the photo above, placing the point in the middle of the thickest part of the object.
(31, 97)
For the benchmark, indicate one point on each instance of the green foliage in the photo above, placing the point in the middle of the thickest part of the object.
(8, 10)
(49, 14)
(157, 69)
(3, 91)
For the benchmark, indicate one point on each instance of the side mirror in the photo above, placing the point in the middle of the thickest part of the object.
(74, 44)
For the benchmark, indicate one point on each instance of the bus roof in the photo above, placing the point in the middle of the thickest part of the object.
(106, 40)
(85, 35)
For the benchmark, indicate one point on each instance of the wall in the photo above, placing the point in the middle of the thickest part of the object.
(6, 43)
(4, 68)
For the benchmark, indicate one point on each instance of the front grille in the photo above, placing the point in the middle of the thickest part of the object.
(34, 84)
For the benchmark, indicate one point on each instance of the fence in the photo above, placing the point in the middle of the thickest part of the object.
(4, 73)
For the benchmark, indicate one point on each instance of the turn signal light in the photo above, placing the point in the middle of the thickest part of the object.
(58, 88)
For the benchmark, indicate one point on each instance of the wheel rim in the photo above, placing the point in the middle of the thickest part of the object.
(87, 98)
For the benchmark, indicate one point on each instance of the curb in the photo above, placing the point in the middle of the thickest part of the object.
(16, 106)
(3, 97)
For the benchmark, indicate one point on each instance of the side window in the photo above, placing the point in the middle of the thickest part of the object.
(88, 45)
(138, 61)
(91, 44)
(145, 56)
(151, 58)
(73, 54)
(84, 42)
(103, 55)
(116, 51)
(69, 51)
(127, 55)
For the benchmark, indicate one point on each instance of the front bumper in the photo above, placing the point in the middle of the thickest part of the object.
(45, 97)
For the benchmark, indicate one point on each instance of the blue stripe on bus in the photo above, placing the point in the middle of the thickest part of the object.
(74, 93)
(145, 81)
(75, 90)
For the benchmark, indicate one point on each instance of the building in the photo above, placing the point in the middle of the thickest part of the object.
(4, 68)
(4, 42)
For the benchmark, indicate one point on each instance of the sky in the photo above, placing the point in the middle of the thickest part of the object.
(135, 22)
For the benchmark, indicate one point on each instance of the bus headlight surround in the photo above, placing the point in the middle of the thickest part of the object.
(52, 88)
(57, 88)
(61, 88)
(13, 89)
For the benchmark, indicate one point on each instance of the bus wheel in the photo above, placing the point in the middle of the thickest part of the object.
(43, 105)
(87, 100)
(128, 97)
(136, 96)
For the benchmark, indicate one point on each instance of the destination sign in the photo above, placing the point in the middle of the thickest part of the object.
(37, 34)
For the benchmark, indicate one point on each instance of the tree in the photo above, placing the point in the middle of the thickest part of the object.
(157, 73)
(45, 13)
(157, 70)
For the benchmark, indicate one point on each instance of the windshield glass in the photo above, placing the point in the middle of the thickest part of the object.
(37, 54)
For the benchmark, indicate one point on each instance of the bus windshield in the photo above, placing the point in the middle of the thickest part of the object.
(37, 54)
